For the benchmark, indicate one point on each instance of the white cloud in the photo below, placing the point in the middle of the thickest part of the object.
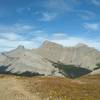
(46, 16)
(21, 10)
(11, 36)
(91, 26)
(72, 41)
(96, 2)
(69, 41)
(18, 34)
(55, 8)
(7, 45)
(60, 5)
(16, 28)
(56, 5)
(10, 39)
(59, 34)
(85, 14)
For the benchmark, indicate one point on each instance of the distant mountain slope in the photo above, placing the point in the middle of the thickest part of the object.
(50, 50)
(80, 55)
(74, 61)
(71, 71)
(96, 70)
(21, 60)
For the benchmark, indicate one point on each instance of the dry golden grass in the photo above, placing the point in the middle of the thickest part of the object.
(55, 88)
(12, 89)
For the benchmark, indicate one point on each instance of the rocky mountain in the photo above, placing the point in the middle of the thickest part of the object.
(79, 55)
(50, 59)
(95, 72)
(22, 60)
(50, 50)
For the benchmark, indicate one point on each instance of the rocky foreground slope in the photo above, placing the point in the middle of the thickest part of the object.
(50, 59)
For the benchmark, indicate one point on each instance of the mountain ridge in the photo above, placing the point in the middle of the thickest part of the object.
(21, 60)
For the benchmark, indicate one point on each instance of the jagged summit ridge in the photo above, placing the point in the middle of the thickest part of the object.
(81, 54)
(40, 60)
(49, 44)
(20, 47)
(81, 45)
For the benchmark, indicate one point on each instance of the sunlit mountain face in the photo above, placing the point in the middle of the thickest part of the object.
(67, 22)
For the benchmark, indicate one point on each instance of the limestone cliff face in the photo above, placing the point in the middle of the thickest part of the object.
(50, 50)
(40, 60)
(79, 55)
(21, 60)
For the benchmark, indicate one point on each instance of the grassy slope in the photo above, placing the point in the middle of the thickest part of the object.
(12, 89)
(55, 88)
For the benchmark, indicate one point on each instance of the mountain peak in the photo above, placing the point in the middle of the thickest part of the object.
(50, 44)
(81, 45)
(46, 42)
(20, 47)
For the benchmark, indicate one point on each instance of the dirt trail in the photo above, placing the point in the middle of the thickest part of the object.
(11, 89)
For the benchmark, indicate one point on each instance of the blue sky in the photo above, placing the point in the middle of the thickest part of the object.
(30, 22)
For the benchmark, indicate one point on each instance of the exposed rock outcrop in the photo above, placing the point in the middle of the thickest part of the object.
(39, 61)
(79, 55)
